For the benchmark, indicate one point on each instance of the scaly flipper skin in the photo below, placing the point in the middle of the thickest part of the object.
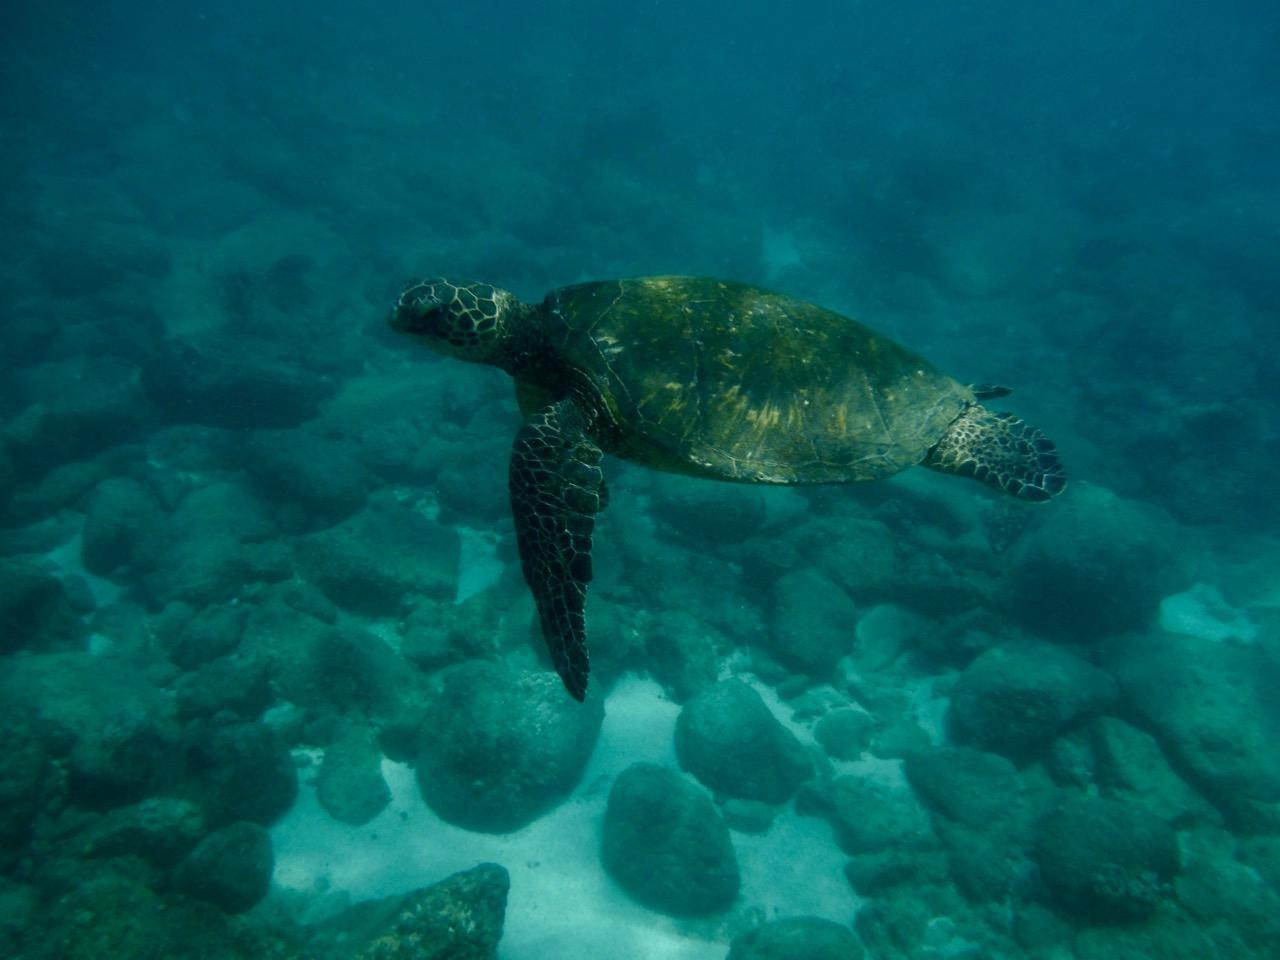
(1001, 451)
(557, 488)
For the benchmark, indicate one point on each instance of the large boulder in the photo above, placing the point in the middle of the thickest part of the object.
(236, 381)
(316, 479)
(25, 772)
(665, 844)
(116, 728)
(1014, 699)
(729, 739)
(1105, 860)
(161, 830)
(350, 785)
(459, 918)
(1213, 709)
(1092, 565)
(230, 868)
(241, 771)
(35, 610)
(382, 557)
(77, 408)
(969, 787)
(812, 623)
(797, 938)
(500, 746)
(122, 514)
(870, 815)
(217, 539)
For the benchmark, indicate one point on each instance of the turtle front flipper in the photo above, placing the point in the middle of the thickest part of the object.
(1001, 451)
(556, 490)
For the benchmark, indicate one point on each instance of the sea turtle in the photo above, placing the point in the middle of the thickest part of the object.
(709, 378)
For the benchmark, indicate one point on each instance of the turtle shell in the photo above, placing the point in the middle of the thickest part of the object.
(722, 379)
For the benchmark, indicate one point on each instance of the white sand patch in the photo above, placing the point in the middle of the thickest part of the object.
(1203, 612)
(479, 567)
(561, 903)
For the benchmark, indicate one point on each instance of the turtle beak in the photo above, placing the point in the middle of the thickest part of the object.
(413, 314)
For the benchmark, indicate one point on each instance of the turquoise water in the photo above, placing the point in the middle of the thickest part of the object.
(266, 653)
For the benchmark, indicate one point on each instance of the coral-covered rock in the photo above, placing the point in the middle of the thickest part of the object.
(459, 918)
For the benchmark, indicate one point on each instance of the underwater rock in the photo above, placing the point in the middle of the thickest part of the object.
(500, 746)
(1166, 935)
(108, 915)
(812, 623)
(78, 407)
(665, 844)
(240, 686)
(161, 830)
(884, 632)
(681, 653)
(1129, 765)
(24, 777)
(979, 790)
(862, 559)
(240, 772)
(797, 938)
(350, 785)
(64, 487)
(1091, 566)
(386, 554)
(233, 380)
(35, 612)
(230, 868)
(211, 632)
(7, 476)
(731, 741)
(1013, 699)
(122, 514)
(870, 816)
(876, 874)
(748, 816)
(707, 517)
(210, 547)
(318, 479)
(1216, 888)
(1105, 860)
(459, 918)
(470, 486)
(845, 733)
(118, 728)
(1212, 708)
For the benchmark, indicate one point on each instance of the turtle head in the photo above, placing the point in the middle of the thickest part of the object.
(463, 319)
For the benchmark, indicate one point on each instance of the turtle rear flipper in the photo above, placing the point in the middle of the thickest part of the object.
(556, 490)
(1001, 451)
